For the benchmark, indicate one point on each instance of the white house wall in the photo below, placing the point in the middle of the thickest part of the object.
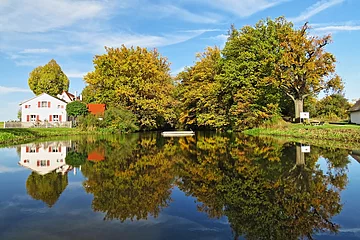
(355, 117)
(42, 113)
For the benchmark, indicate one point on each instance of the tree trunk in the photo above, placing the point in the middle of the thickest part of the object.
(300, 156)
(299, 107)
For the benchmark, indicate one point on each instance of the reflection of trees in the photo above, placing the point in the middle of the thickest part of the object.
(46, 188)
(133, 182)
(263, 188)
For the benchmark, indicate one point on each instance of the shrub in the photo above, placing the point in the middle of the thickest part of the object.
(120, 119)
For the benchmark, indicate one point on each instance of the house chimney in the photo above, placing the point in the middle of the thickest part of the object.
(80, 97)
(75, 94)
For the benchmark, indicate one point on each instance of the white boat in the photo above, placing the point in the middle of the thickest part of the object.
(177, 133)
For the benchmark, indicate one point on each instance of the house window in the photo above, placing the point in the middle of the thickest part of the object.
(27, 106)
(44, 104)
(58, 106)
(55, 149)
(32, 150)
(55, 118)
(43, 163)
(33, 118)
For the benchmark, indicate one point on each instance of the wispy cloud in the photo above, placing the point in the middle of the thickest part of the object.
(6, 90)
(75, 74)
(45, 15)
(177, 71)
(336, 28)
(185, 15)
(35, 50)
(315, 9)
(242, 8)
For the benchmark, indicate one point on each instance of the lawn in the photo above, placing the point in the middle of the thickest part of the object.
(18, 135)
(1, 124)
(344, 133)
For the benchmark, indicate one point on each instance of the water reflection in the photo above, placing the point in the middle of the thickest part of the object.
(267, 189)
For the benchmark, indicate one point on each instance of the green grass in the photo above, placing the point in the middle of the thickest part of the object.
(19, 135)
(1, 124)
(347, 134)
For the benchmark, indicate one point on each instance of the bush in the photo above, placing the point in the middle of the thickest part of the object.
(89, 122)
(120, 119)
(76, 108)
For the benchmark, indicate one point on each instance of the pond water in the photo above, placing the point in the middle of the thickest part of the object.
(209, 186)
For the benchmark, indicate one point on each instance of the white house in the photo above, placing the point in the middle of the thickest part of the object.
(67, 97)
(44, 108)
(44, 158)
(355, 113)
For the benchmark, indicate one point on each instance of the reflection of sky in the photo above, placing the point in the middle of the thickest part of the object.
(71, 217)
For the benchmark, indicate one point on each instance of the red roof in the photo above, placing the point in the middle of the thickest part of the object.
(96, 109)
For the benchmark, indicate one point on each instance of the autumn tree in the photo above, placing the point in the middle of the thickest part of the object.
(248, 59)
(333, 107)
(48, 79)
(137, 79)
(304, 68)
(197, 92)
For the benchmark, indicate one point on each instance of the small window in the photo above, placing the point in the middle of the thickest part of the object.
(33, 118)
(28, 106)
(59, 106)
(55, 149)
(55, 118)
(32, 150)
(42, 163)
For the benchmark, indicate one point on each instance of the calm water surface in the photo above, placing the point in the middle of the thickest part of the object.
(144, 186)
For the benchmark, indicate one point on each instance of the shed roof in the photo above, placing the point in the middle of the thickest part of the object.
(96, 109)
(356, 107)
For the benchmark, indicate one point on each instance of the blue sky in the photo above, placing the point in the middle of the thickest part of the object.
(73, 31)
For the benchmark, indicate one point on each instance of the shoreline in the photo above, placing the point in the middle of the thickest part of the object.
(15, 136)
(340, 136)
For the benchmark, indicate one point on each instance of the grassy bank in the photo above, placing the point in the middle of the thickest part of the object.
(346, 134)
(20, 135)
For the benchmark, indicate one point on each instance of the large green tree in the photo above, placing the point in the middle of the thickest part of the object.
(197, 92)
(137, 79)
(48, 79)
(305, 68)
(248, 59)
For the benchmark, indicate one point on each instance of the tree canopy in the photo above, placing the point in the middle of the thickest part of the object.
(137, 79)
(48, 79)
(261, 71)
(76, 108)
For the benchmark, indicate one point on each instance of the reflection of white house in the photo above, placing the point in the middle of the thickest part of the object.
(44, 158)
(44, 108)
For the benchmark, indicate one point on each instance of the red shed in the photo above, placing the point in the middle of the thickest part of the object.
(96, 109)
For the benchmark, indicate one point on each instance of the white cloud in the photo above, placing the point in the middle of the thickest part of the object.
(177, 71)
(336, 28)
(6, 90)
(35, 50)
(315, 9)
(183, 14)
(243, 8)
(45, 15)
(75, 74)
